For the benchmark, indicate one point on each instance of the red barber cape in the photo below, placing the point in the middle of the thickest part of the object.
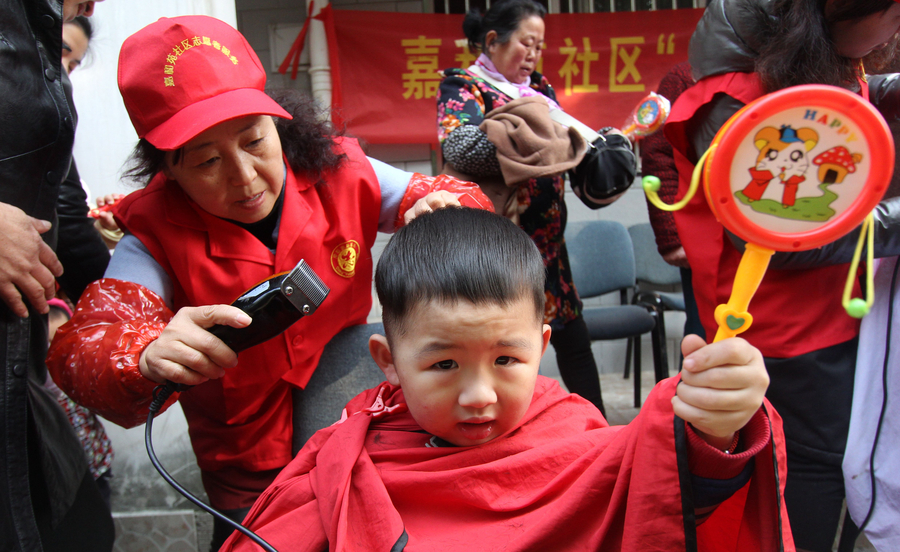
(562, 480)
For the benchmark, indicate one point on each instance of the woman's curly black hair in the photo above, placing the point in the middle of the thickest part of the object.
(307, 141)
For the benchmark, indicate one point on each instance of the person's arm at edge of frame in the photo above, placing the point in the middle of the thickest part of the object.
(405, 195)
(657, 159)
(80, 248)
(28, 266)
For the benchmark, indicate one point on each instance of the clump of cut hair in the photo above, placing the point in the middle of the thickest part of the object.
(503, 18)
(457, 254)
(307, 141)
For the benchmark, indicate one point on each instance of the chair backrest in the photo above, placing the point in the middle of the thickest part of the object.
(345, 370)
(649, 264)
(601, 257)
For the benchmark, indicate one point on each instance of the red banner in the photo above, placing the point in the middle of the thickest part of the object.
(601, 65)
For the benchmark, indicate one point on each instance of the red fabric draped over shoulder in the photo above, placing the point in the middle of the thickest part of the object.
(562, 480)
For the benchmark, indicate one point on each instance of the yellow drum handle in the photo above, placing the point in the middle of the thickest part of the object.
(733, 317)
(651, 186)
(857, 307)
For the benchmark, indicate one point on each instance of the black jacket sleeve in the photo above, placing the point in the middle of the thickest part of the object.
(80, 248)
(884, 93)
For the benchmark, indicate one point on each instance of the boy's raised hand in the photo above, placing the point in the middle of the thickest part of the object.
(722, 386)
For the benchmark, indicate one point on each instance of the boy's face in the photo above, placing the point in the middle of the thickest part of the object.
(467, 371)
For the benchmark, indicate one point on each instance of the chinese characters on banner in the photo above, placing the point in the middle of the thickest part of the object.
(601, 65)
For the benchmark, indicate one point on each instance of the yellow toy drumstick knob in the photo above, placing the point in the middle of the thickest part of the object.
(858, 307)
(732, 317)
(651, 183)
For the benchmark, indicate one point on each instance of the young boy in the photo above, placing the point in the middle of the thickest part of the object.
(466, 447)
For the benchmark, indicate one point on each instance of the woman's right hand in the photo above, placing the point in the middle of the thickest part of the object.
(186, 352)
(432, 201)
(28, 266)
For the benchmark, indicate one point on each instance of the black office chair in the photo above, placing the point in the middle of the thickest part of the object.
(345, 370)
(602, 261)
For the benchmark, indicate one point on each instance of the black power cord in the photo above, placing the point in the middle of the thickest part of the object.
(274, 304)
(160, 394)
(884, 394)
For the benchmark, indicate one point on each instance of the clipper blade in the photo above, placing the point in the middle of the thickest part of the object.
(304, 289)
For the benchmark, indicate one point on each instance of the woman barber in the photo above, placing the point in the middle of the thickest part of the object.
(239, 186)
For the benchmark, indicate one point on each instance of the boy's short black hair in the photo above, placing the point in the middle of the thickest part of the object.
(457, 253)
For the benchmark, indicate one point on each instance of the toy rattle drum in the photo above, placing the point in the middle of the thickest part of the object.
(792, 171)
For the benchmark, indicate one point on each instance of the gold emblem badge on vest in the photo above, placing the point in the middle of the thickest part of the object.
(344, 257)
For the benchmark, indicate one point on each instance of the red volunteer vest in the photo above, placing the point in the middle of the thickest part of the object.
(794, 311)
(244, 419)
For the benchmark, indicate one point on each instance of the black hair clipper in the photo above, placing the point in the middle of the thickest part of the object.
(274, 305)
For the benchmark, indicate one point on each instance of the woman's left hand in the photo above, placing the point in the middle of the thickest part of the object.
(432, 201)
(103, 212)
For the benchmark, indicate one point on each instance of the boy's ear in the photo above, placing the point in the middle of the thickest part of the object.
(381, 354)
(546, 338)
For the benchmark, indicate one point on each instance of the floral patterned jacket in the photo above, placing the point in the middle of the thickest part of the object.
(463, 101)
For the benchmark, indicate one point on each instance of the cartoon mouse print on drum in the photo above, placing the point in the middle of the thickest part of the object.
(785, 156)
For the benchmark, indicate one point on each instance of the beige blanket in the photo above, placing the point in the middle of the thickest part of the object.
(530, 144)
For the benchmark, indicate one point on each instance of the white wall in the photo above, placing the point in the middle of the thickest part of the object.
(105, 137)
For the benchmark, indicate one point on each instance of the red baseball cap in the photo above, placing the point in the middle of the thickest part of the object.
(183, 75)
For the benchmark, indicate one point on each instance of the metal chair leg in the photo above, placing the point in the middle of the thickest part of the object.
(654, 305)
(661, 357)
(637, 371)
(628, 350)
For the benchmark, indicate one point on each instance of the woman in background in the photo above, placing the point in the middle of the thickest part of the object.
(510, 39)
